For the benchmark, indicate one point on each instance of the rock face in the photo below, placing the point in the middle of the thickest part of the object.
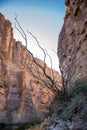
(23, 98)
(72, 45)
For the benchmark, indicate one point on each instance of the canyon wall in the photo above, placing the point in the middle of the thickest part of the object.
(72, 44)
(23, 98)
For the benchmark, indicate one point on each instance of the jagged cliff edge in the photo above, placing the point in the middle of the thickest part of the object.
(22, 97)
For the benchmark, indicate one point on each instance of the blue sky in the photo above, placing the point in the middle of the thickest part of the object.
(44, 18)
(52, 4)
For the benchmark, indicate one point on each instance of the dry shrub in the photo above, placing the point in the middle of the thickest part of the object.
(41, 126)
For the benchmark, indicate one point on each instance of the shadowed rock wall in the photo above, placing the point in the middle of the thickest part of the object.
(72, 44)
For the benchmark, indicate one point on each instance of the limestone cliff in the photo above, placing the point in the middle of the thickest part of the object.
(71, 114)
(23, 98)
(72, 45)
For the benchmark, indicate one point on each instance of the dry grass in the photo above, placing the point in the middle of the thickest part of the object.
(41, 126)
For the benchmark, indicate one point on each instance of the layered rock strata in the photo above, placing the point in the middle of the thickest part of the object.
(23, 98)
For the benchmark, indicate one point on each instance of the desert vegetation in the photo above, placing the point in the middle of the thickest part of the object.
(73, 112)
(67, 107)
(49, 79)
(69, 114)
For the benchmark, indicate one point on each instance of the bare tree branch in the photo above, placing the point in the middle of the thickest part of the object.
(20, 30)
(51, 83)
(39, 47)
(41, 73)
(54, 51)
(50, 63)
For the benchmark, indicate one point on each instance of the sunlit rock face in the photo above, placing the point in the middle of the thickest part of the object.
(23, 98)
(72, 44)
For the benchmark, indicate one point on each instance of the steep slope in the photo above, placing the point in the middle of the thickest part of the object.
(23, 98)
(72, 45)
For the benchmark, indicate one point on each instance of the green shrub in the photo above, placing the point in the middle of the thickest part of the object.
(73, 107)
(80, 86)
(41, 126)
(77, 105)
(27, 125)
(84, 111)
